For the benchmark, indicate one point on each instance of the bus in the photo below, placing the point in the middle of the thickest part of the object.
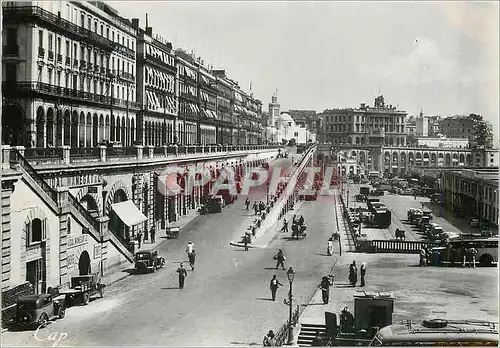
(487, 249)
(438, 332)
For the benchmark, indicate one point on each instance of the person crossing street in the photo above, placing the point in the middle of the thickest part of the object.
(182, 275)
(274, 284)
(284, 229)
(280, 258)
(189, 248)
(192, 259)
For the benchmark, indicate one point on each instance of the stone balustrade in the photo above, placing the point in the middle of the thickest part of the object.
(68, 155)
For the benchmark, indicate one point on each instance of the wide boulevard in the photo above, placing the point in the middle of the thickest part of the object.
(225, 301)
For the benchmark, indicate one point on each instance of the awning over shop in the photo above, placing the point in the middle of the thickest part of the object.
(128, 213)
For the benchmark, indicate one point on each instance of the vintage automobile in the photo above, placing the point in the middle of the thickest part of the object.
(37, 310)
(148, 260)
(82, 287)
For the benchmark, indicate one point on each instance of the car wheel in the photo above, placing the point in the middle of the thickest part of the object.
(154, 268)
(62, 312)
(85, 298)
(43, 321)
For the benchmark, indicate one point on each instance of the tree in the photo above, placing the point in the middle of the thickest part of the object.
(483, 132)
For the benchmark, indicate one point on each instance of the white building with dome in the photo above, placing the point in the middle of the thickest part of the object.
(283, 127)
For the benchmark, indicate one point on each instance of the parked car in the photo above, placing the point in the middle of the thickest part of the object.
(38, 310)
(82, 288)
(148, 260)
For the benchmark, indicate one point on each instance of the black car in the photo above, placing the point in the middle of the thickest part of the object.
(38, 310)
(148, 260)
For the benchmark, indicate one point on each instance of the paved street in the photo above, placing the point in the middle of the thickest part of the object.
(226, 300)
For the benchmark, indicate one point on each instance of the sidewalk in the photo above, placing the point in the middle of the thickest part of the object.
(119, 274)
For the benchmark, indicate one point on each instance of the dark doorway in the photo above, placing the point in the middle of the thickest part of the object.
(35, 274)
(84, 263)
(116, 225)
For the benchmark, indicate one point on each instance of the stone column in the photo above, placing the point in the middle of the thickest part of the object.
(140, 150)
(5, 157)
(105, 236)
(66, 154)
(151, 149)
(102, 153)
(64, 209)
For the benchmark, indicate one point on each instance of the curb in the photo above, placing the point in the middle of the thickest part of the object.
(118, 279)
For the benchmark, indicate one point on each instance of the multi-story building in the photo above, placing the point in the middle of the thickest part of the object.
(422, 126)
(411, 125)
(274, 110)
(69, 75)
(434, 125)
(224, 108)
(254, 108)
(306, 119)
(207, 86)
(472, 192)
(366, 124)
(189, 104)
(457, 127)
(156, 88)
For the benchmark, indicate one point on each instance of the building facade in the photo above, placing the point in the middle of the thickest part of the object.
(365, 124)
(457, 127)
(156, 89)
(69, 75)
(443, 142)
(472, 192)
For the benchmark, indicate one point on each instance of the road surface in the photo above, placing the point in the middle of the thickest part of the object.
(225, 301)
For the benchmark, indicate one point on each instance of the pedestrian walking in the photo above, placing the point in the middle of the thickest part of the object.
(353, 273)
(182, 275)
(465, 253)
(329, 249)
(247, 202)
(268, 339)
(189, 248)
(152, 233)
(284, 229)
(325, 289)
(363, 273)
(139, 238)
(473, 253)
(280, 258)
(255, 208)
(246, 240)
(192, 259)
(423, 257)
(422, 205)
(274, 284)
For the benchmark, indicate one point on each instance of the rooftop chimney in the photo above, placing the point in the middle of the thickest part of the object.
(149, 31)
(135, 23)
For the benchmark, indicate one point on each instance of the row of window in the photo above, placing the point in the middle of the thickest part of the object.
(96, 57)
(350, 118)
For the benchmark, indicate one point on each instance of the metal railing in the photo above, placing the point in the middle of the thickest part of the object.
(84, 212)
(281, 336)
(84, 152)
(34, 175)
(43, 152)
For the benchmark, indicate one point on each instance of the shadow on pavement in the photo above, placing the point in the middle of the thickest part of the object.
(344, 286)
(264, 299)
(172, 288)
(272, 268)
(246, 344)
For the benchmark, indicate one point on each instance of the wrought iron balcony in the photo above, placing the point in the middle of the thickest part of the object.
(29, 87)
(51, 55)
(83, 64)
(96, 68)
(41, 52)
(103, 70)
(89, 66)
(126, 76)
(75, 63)
(59, 58)
(11, 50)
(68, 61)
(29, 14)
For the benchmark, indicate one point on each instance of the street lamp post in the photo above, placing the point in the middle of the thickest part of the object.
(290, 274)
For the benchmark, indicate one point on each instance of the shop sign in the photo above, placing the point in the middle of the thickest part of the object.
(33, 254)
(92, 189)
(73, 256)
(78, 180)
(75, 241)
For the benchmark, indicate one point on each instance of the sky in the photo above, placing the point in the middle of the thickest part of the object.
(441, 57)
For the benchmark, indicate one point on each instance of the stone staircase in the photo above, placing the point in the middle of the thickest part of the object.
(308, 332)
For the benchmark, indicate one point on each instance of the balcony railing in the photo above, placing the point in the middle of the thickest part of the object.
(90, 66)
(41, 52)
(83, 64)
(45, 88)
(30, 13)
(68, 61)
(126, 76)
(59, 58)
(51, 55)
(75, 63)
